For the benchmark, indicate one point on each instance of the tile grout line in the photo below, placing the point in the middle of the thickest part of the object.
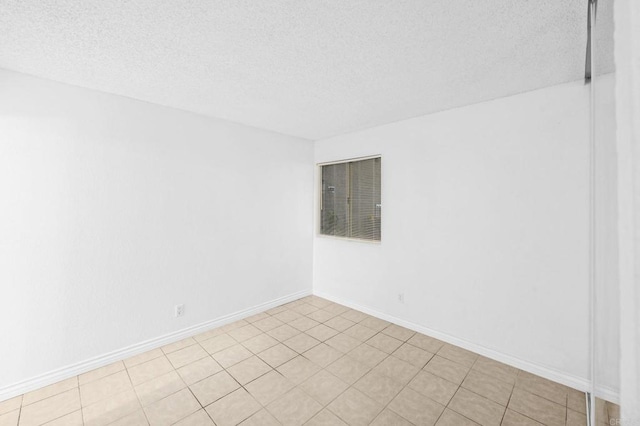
(144, 412)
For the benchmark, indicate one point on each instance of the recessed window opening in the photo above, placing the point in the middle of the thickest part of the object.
(351, 205)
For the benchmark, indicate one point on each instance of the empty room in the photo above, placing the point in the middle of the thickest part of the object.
(322, 212)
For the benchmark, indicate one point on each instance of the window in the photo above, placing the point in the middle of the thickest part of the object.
(351, 205)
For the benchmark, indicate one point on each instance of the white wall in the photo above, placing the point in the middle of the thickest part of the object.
(484, 229)
(627, 54)
(114, 210)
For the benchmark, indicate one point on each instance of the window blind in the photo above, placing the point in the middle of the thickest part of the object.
(351, 203)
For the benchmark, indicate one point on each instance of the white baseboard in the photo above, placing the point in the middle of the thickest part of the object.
(569, 380)
(69, 371)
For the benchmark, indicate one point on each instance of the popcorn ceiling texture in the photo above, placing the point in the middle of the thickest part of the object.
(307, 68)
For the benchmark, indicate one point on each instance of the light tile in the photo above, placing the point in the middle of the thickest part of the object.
(348, 369)
(50, 408)
(234, 325)
(613, 410)
(459, 355)
(398, 332)
(542, 387)
(477, 408)
(294, 408)
(10, 418)
(48, 391)
(576, 401)
(261, 418)
(513, 418)
(301, 343)
(380, 388)
(322, 355)
(537, 408)
(208, 335)
(487, 386)
(159, 388)
(578, 419)
(436, 388)
(303, 323)
(385, 343)
(283, 332)
(244, 333)
(318, 302)
(287, 316)
(446, 369)
(413, 355)
(232, 355)
(181, 344)
(137, 418)
(218, 343)
(187, 355)
(367, 355)
(339, 323)
(269, 387)
(111, 409)
(355, 408)
(199, 418)
(267, 324)
(171, 409)
(336, 309)
(416, 408)
(324, 387)
(259, 343)
(277, 310)
(73, 419)
(325, 418)
(101, 372)
(10, 404)
(213, 388)
(426, 343)
(389, 418)
(233, 408)
(298, 369)
(321, 315)
(451, 418)
(360, 332)
(343, 343)
(199, 370)
(397, 369)
(143, 357)
(104, 388)
(496, 369)
(375, 324)
(149, 370)
(257, 317)
(353, 315)
(305, 309)
(277, 355)
(249, 369)
(321, 332)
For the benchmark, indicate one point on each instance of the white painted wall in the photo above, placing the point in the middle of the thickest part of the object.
(627, 54)
(484, 228)
(113, 211)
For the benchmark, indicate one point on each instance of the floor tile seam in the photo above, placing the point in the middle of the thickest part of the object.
(48, 397)
(527, 416)
(405, 387)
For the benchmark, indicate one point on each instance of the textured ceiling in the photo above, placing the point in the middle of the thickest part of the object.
(306, 68)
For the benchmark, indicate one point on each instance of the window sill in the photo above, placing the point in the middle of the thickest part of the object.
(349, 240)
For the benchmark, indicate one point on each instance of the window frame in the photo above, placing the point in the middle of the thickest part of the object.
(319, 198)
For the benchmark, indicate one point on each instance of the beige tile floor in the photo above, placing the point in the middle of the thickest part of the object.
(310, 362)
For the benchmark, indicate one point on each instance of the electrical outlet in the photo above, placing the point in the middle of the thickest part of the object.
(179, 311)
(401, 297)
